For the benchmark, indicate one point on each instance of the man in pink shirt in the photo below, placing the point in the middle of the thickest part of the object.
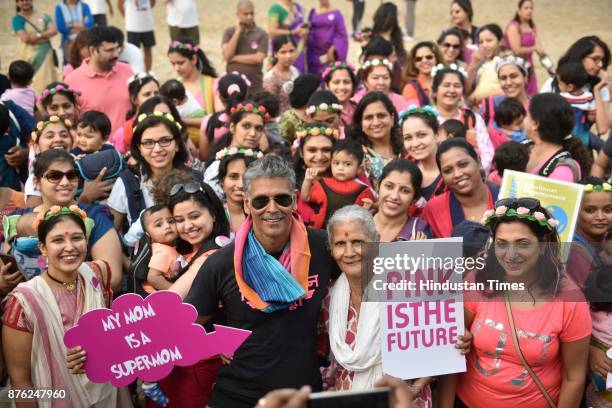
(101, 79)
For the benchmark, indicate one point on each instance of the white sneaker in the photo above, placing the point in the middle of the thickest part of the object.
(408, 38)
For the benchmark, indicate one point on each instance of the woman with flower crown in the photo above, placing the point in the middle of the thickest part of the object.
(246, 130)
(531, 325)
(340, 79)
(38, 312)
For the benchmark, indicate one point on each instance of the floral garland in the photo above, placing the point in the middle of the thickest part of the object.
(376, 62)
(301, 133)
(250, 108)
(53, 90)
(232, 151)
(56, 211)
(520, 213)
(521, 63)
(412, 109)
(323, 107)
(158, 114)
(141, 76)
(598, 188)
(452, 67)
(40, 126)
(244, 77)
(183, 46)
(331, 68)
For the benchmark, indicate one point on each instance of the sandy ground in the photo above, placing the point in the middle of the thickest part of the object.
(560, 22)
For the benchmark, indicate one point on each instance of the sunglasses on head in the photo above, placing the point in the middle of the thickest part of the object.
(283, 200)
(190, 187)
(453, 46)
(56, 176)
(426, 57)
(529, 203)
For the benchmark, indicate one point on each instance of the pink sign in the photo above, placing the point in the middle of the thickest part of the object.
(146, 338)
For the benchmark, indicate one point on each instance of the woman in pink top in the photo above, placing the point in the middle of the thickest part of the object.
(555, 153)
(340, 79)
(551, 318)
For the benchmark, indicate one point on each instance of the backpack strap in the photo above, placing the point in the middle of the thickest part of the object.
(131, 182)
(562, 157)
(423, 98)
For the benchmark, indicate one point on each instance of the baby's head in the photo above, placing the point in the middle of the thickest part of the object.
(571, 77)
(20, 73)
(93, 130)
(511, 156)
(174, 90)
(158, 223)
(347, 156)
(509, 116)
(451, 128)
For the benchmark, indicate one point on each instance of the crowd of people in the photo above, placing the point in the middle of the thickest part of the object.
(252, 193)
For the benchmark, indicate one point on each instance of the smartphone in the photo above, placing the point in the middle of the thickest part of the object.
(9, 259)
(376, 398)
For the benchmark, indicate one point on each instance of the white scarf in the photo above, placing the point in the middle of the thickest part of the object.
(365, 358)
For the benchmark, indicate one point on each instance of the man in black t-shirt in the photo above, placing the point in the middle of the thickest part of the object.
(276, 290)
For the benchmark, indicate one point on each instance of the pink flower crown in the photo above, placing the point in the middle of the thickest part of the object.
(233, 151)
(56, 211)
(58, 88)
(184, 46)
(323, 107)
(250, 108)
(301, 133)
(40, 126)
(521, 213)
(331, 68)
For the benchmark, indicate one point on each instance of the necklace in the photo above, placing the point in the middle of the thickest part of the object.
(68, 285)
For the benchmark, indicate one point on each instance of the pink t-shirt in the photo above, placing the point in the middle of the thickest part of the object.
(602, 326)
(398, 100)
(106, 93)
(164, 258)
(561, 172)
(495, 375)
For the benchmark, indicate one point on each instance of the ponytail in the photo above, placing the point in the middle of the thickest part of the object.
(580, 153)
(204, 64)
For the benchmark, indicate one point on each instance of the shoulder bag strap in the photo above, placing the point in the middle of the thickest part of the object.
(517, 347)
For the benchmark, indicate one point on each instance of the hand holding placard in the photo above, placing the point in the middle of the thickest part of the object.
(146, 338)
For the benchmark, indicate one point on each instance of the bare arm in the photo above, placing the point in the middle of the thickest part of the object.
(183, 284)
(575, 357)
(17, 347)
(275, 31)
(110, 7)
(118, 218)
(228, 49)
(121, 7)
(33, 201)
(602, 121)
(157, 279)
(108, 248)
(600, 166)
(514, 38)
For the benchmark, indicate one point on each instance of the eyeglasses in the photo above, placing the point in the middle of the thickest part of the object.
(163, 142)
(529, 203)
(56, 176)
(283, 200)
(429, 57)
(190, 187)
(597, 60)
(453, 46)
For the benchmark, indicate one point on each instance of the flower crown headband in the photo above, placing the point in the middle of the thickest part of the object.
(452, 67)
(301, 133)
(56, 211)
(331, 68)
(158, 114)
(40, 126)
(412, 109)
(183, 46)
(522, 213)
(250, 108)
(232, 151)
(141, 76)
(598, 188)
(323, 107)
(376, 62)
(58, 88)
(521, 63)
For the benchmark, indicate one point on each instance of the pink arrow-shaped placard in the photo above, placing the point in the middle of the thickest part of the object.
(146, 338)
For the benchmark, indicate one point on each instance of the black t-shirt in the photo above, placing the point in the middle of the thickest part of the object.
(281, 350)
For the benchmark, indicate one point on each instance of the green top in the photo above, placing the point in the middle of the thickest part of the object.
(278, 13)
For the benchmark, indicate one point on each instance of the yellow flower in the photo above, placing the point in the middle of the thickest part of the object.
(606, 187)
(588, 188)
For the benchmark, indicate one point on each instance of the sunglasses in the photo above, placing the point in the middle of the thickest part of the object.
(529, 203)
(163, 142)
(56, 176)
(283, 200)
(453, 46)
(429, 57)
(189, 187)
